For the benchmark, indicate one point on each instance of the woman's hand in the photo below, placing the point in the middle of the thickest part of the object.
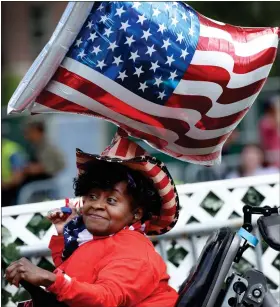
(60, 219)
(23, 269)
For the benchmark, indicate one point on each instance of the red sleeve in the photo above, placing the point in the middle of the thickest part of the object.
(56, 246)
(123, 282)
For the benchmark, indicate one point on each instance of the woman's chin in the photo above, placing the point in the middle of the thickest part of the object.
(98, 229)
(99, 232)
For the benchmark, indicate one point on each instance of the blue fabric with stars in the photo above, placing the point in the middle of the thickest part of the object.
(144, 46)
(71, 233)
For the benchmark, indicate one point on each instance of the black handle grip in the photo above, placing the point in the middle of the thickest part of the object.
(40, 297)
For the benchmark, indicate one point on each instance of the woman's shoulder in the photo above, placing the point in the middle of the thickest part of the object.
(127, 235)
(135, 248)
(132, 244)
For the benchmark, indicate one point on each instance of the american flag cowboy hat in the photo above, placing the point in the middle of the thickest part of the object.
(123, 150)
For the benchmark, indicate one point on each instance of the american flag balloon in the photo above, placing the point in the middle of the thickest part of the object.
(164, 73)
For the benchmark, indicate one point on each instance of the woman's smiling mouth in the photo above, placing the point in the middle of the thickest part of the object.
(96, 216)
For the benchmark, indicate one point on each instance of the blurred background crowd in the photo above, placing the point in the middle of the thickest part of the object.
(38, 152)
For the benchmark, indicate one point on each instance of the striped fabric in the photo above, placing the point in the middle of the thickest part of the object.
(122, 150)
(165, 74)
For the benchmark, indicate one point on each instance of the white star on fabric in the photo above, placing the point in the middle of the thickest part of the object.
(191, 14)
(143, 86)
(184, 54)
(100, 7)
(191, 32)
(169, 60)
(82, 54)
(175, 3)
(141, 19)
(108, 32)
(104, 18)
(154, 66)
(89, 25)
(69, 238)
(150, 50)
(158, 81)
(120, 11)
(78, 42)
(122, 75)
(84, 236)
(167, 7)
(174, 21)
(166, 44)
(184, 16)
(146, 34)
(138, 71)
(161, 28)
(92, 36)
(134, 55)
(129, 40)
(113, 46)
(124, 26)
(96, 50)
(173, 75)
(136, 5)
(156, 12)
(101, 64)
(180, 37)
(117, 60)
(161, 95)
(66, 229)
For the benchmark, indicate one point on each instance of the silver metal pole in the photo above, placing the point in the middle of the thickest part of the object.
(258, 250)
(194, 249)
(162, 250)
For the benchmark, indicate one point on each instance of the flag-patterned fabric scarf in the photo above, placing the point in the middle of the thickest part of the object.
(76, 234)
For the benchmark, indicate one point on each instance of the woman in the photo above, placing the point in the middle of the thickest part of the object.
(104, 258)
(269, 130)
(252, 163)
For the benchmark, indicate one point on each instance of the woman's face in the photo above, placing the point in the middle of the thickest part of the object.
(108, 211)
(251, 157)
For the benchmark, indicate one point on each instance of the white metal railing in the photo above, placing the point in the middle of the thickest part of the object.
(187, 238)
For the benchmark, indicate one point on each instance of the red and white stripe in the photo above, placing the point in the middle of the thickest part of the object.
(225, 76)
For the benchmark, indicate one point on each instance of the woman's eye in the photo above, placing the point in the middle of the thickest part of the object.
(112, 201)
(93, 197)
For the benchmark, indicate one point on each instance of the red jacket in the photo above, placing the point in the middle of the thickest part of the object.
(123, 270)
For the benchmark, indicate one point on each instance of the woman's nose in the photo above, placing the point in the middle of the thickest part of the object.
(99, 205)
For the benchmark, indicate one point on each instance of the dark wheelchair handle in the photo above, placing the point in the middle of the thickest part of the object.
(269, 227)
(40, 297)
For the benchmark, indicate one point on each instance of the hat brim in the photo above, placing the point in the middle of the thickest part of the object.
(151, 168)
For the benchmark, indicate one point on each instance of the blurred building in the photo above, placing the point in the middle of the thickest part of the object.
(22, 39)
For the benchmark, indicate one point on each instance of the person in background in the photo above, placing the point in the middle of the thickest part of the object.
(13, 160)
(269, 129)
(252, 163)
(48, 161)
